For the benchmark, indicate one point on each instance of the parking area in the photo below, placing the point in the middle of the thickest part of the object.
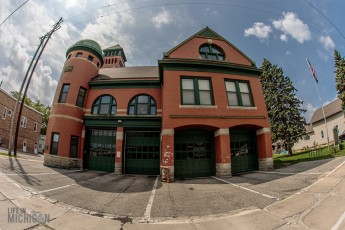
(145, 197)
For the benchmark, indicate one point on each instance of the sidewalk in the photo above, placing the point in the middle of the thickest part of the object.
(319, 206)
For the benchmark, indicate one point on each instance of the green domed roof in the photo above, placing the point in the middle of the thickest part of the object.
(87, 45)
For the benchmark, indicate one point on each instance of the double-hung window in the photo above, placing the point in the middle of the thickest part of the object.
(4, 113)
(23, 121)
(63, 94)
(54, 143)
(238, 93)
(35, 126)
(81, 97)
(196, 91)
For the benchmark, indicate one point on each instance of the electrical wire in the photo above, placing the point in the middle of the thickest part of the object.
(323, 15)
(13, 12)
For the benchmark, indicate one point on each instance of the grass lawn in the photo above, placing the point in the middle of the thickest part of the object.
(281, 160)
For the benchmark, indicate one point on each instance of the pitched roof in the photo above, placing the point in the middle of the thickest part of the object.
(330, 109)
(128, 73)
(309, 128)
(115, 47)
(207, 32)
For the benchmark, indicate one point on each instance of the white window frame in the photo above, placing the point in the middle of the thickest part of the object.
(9, 112)
(35, 126)
(23, 122)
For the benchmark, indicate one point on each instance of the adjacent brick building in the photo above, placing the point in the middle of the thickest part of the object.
(200, 112)
(30, 124)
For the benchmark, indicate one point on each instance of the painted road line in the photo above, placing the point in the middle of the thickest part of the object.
(53, 189)
(147, 214)
(288, 173)
(250, 190)
(339, 222)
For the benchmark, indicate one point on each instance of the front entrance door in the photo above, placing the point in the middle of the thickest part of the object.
(24, 146)
(194, 154)
(142, 152)
(100, 150)
(243, 146)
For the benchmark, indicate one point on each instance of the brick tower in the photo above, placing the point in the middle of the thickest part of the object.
(65, 133)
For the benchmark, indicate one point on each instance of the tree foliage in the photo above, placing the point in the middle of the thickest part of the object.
(45, 109)
(339, 64)
(283, 107)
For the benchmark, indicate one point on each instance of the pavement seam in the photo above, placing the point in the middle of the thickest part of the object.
(319, 198)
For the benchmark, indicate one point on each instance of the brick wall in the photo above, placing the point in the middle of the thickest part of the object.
(26, 134)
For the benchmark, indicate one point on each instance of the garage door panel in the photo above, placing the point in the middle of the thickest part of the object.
(100, 150)
(243, 151)
(194, 154)
(142, 152)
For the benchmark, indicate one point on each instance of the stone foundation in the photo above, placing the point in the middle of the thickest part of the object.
(118, 168)
(62, 162)
(171, 171)
(223, 169)
(266, 164)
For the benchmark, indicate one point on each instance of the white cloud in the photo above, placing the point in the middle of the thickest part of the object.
(259, 30)
(327, 42)
(291, 25)
(163, 18)
(24, 28)
(284, 38)
(287, 52)
(310, 111)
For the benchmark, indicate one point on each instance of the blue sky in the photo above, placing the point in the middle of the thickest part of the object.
(284, 32)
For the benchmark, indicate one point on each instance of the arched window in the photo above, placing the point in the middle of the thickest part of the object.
(104, 104)
(142, 105)
(211, 52)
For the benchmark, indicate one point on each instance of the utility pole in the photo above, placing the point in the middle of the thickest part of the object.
(43, 43)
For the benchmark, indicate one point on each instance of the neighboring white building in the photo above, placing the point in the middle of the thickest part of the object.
(317, 129)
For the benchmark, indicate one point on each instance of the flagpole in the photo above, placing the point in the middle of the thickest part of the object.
(323, 111)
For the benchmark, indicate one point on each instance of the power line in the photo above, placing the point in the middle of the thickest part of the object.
(13, 12)
(323, 15)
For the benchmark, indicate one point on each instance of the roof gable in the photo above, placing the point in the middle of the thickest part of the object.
(330, 109)
(209, 35)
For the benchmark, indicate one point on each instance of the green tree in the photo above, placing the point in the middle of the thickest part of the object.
(339, 64)
(45, 109)
(283, 107)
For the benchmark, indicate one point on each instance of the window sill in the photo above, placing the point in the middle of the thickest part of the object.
(242, 107)
(197, 106)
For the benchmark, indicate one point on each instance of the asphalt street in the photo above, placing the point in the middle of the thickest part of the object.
(146, 198)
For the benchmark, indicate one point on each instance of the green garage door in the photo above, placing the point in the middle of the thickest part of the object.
(142, 152)
(194, 154)
(100, 150)
(244, 155)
